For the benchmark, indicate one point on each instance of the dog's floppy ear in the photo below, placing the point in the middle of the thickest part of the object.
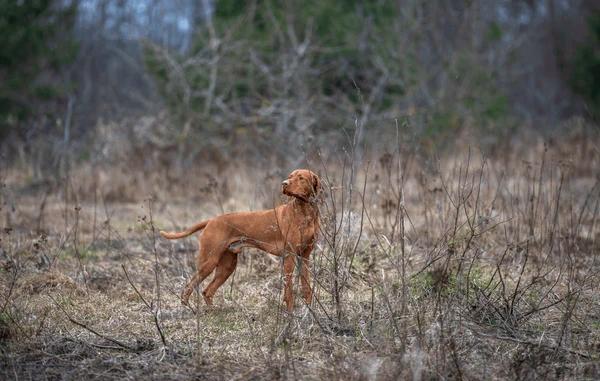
(316, 184)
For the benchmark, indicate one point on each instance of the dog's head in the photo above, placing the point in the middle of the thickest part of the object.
(303, 184)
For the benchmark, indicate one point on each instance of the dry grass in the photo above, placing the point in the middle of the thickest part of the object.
(467, 267)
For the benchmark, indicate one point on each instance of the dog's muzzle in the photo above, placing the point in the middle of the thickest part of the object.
(285, 183)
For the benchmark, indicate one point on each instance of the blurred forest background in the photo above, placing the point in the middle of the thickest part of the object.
(458, 146)
(176, 81)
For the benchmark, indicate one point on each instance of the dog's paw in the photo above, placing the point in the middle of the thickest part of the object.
(185, 300)
(207, 300)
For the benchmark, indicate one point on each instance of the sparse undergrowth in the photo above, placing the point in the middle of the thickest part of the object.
(471, 268)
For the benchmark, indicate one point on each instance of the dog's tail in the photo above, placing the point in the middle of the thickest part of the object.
(185, 233)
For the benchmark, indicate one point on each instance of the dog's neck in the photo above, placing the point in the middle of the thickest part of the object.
(306, 207)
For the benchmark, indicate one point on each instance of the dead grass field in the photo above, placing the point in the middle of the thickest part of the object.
(461, 268)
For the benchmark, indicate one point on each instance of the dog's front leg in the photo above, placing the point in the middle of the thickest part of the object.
(305, 279)
(288, 273)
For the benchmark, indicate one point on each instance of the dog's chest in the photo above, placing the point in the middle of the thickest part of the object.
(305, 227)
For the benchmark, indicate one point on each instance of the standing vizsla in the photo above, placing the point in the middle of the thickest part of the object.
(287, 231)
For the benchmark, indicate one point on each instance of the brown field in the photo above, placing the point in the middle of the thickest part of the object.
(461, 267)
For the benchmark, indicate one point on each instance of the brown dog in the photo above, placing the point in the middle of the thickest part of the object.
(286, 231)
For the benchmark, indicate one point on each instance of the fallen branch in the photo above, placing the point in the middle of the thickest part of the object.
(87, 328)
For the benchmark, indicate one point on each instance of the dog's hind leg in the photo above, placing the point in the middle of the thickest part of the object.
(225, 268)
(207, 261)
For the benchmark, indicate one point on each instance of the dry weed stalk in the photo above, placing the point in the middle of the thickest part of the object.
(154, 306)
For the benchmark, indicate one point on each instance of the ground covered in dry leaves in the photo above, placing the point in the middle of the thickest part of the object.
(473, 269)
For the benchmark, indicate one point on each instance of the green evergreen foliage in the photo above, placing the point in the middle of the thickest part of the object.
(36, 44)
(586, 68)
